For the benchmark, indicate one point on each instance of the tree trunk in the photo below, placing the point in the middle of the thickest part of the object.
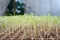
(14, 5)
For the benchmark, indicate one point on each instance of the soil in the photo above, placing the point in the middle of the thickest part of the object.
(18, 34)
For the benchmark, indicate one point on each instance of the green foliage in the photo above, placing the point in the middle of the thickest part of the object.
(19, 9)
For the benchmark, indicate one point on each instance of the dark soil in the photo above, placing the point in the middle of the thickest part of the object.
(19, 35)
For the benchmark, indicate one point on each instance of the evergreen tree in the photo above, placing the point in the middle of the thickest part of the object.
(18, 10)
(9, 8)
